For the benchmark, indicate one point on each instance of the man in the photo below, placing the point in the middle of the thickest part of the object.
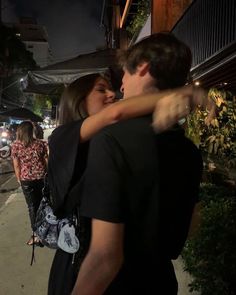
(139, 188)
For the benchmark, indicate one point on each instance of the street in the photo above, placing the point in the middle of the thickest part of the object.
(17, 276)
(6, 170)
(8, 183)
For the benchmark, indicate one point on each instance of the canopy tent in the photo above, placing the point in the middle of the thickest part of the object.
(22, 114)
(48, 79)
(4, 119)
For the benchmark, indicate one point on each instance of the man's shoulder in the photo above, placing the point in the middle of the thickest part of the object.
(134, 137)
(174, 146)
(137, 125)
(176, 138)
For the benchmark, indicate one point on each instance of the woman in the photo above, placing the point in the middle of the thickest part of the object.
(86, 106)
(30, 161)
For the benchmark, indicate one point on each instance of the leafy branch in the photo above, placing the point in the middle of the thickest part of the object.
(139, 19)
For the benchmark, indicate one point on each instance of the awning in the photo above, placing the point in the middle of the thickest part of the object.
(22, 114)
(47, 80)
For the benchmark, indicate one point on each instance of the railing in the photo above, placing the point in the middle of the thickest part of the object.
(209, 28)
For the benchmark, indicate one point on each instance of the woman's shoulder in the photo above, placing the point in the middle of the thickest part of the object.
(62, 132)
(16, 148)
(65, 127)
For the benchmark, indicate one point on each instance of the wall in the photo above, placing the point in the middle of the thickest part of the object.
(40, 52)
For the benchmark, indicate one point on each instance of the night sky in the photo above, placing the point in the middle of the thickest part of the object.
(73, 26)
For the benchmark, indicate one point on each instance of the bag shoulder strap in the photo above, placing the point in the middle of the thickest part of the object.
(46, 188)
(73, 197)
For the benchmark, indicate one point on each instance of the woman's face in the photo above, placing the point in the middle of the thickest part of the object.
(100, 97)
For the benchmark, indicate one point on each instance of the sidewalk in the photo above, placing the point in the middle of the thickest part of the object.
(17, 277)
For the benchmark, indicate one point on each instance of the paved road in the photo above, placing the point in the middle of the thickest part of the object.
(8, 183)
(17, 277)
(6, 170)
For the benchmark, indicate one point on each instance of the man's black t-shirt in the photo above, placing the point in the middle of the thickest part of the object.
(150, 183)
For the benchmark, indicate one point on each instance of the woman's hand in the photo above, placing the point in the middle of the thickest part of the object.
(176, 106)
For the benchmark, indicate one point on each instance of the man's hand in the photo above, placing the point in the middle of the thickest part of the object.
(176, 106)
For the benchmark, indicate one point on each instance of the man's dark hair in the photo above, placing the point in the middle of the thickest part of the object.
(169, 59)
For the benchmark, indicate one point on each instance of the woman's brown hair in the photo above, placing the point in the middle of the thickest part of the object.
(25, 133)
(71, 106)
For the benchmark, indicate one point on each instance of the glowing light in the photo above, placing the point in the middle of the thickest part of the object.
(197, 83)
(124, 15)
(4, 134)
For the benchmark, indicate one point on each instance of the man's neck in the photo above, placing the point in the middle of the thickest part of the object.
(150, 89)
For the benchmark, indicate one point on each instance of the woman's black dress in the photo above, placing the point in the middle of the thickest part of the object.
(67, 161)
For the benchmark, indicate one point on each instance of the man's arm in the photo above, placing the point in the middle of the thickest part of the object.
(103, 260)
(102, 200)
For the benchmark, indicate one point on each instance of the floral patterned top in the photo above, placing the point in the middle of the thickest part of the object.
(31, 159)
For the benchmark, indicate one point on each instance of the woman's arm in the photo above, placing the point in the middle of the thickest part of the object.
(131, 108)
(16, 166)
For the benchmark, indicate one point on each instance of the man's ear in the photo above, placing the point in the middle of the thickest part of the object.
(143, 68)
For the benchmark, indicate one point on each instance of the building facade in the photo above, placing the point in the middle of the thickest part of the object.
(35, 38)
(208, 27)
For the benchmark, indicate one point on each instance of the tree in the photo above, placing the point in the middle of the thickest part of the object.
(139, 19)
(45, 105)
(14, 60)
(13, 54)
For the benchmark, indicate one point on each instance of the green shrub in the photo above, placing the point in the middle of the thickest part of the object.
(139, 19)
(210, 256)
(218, 139)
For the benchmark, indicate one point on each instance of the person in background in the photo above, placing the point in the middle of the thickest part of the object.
(29, 157)
(38, 130)
(12, 130)
(139, 188)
